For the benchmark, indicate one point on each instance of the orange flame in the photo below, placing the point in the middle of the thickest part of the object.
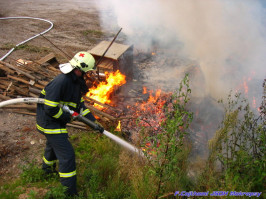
(103, 91)
(245, 85)
(144, 90)
(153, 99)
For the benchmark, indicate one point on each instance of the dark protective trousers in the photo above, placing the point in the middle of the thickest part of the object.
(59, 147)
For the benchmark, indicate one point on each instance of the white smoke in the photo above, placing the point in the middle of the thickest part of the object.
(226, 37)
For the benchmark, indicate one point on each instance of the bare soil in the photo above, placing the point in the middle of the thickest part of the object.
(20, 143)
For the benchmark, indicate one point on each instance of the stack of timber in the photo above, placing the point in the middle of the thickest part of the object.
(27, 79)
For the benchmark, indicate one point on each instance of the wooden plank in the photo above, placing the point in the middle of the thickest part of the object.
(98, 112)
(20, 91)
(7, 69)
(4, 97)
(115, 51)
(33, 95)
(46, 58)
(36, 69)
(25, 81)
(55, 70)
(88, 99)
(34, 90)
(43, 83)
(107, 64)
(12, 87)
(5, 82)
(2, 86)
(18, 70)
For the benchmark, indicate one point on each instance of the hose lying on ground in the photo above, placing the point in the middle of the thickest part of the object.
(81, 118)
(11, 50)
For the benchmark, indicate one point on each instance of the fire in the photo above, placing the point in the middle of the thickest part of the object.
(103, 91)
(152, 109)
(155, 102)
(245, 85)
(118, 128)
(153, 99)
(144, 90)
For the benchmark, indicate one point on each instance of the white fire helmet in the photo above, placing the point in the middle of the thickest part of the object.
(82, 60)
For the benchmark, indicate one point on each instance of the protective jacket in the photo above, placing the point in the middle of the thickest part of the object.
(65, 89)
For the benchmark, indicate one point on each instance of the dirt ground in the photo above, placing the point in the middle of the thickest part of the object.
(19, 141)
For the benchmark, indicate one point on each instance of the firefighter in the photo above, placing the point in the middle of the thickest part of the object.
(66, 89)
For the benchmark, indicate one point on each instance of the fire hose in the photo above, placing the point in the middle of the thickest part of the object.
(79, 118)
(35, 18)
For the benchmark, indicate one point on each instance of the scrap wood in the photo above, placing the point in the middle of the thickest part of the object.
(2, 87)
(33, 83)
(108, 107)
(18, 70)
(23, 72)
(98, 112)
(46, 59)
(34, 90)
(36, 68)
(20, 90)
(10, 71)
(4, 97)
(10, 86)
(33, 95)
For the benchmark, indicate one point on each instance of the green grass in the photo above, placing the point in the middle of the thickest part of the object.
(27, 47)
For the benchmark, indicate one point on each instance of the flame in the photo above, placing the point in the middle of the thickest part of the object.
(153, 99)
(245, 85)
(118, 128)
(144, 90)
(153, 108)
(103, 91)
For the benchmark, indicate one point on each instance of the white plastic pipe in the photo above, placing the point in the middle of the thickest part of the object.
(11, 50)
(106, 133)
(21, 100)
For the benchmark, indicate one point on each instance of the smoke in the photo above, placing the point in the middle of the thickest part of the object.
(226, 38)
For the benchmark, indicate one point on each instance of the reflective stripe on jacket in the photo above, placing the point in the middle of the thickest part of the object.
(65, 89)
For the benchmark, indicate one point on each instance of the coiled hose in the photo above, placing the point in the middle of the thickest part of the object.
(11, 50)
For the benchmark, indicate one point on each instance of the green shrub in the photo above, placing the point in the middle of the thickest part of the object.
(31, 173)
(237, 157)
(170, 148)
(57, 192)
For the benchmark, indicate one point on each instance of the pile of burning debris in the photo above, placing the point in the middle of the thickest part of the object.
(116, 97)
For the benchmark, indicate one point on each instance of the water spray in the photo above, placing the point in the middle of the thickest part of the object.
(79, 118)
